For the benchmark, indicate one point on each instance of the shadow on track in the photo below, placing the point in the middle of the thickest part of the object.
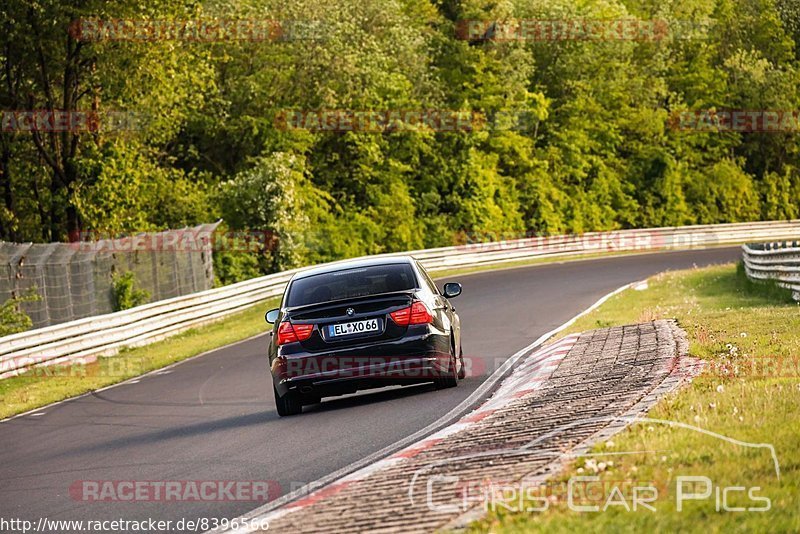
(366, 397)
(270, 416)
(205, 428)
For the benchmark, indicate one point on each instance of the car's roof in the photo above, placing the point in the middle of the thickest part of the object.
(354, 264)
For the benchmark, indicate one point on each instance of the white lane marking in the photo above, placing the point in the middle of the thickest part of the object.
(168, 368)
(436, 278)
(274, 509)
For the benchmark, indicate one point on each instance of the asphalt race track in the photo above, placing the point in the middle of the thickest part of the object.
(213, 418)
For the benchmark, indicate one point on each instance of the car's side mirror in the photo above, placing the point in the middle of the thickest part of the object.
(452, 289)
(271, 316)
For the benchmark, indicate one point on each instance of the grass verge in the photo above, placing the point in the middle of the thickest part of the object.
(51, 384)
(46, 385)
(749, 335)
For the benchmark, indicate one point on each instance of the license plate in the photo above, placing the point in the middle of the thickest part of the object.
(356, 327)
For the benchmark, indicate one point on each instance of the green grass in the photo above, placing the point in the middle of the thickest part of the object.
(728, 319)
(25, 393)
(52, 384)
(55, 383)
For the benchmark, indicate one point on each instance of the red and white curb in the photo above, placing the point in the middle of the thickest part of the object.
(338, 480)
(525, 379)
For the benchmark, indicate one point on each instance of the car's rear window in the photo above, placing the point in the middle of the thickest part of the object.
(350, 283)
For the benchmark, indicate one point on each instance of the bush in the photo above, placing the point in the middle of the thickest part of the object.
(125, 293)
(12, 319)
(231, 266)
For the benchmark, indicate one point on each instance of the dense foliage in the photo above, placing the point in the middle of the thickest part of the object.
(601, 154)
(125, 293)
(12, 318)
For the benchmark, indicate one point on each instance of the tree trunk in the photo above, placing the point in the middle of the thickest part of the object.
(55, 214)
(6, 231)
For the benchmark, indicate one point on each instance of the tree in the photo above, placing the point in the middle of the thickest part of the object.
(12, 318)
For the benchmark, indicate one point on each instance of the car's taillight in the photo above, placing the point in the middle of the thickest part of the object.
(420, 314)
(402, 316)
(417, 313)
(289, 333)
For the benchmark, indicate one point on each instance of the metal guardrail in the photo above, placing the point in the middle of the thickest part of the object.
(74, 280)
(779, 261)
(84, 340)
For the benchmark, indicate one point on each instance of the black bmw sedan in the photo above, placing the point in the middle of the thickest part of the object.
(362, 324)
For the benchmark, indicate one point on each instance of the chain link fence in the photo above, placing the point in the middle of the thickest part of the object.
(74, 280)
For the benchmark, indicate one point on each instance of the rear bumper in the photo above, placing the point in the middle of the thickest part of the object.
(410, 360)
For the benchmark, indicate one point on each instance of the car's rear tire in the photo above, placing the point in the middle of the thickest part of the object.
(462, 371)
(449, 377)
(287, 405)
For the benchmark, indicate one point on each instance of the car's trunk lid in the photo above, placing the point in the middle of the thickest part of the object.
(352, 321)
